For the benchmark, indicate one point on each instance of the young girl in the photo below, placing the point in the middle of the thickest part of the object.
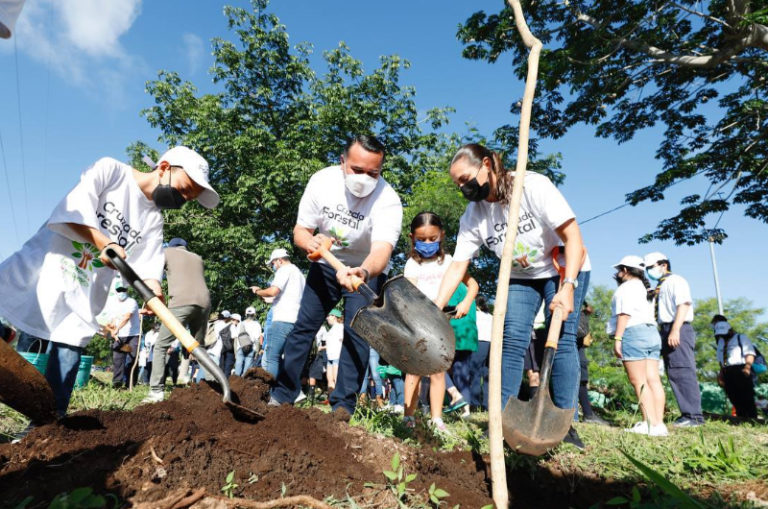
(333, 340)
(637, 343)
(425, 268)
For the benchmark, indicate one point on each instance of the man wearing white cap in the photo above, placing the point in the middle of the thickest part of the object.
(736, 355)
(56, 285)
(673, 307)
(286, 288)
(248, 342)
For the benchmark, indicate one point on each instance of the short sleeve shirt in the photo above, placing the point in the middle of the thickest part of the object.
(132, 326)
(428, 274)
(290, 281)
(674, 292)
(333, 341)
(631, 298)
(733, 352)
(353, 223)
(543, 209)
(55, 286)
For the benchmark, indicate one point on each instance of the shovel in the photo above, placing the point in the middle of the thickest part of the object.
(401, 323)
(178, 330)
(532, 427)
(24, 388)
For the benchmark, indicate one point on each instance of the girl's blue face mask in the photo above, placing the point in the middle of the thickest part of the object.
(426, 249)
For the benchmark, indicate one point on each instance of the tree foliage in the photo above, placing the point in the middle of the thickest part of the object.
(273, 123)
(697, 68)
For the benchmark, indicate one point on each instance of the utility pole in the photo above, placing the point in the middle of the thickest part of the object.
(714, 272)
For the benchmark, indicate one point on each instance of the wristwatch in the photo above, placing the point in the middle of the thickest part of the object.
(572, 281)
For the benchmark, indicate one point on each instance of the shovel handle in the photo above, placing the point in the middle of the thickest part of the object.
(169, 320)
(555, 324)
(324, 252)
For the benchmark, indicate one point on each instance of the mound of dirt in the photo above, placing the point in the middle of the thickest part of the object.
(192, 440)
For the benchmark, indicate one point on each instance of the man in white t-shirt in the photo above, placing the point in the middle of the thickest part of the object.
(360, 212)
(127, 324)
(286, 289)
(56, 285)
(674, 313)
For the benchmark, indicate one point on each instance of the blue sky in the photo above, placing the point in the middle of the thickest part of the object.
(82, 66)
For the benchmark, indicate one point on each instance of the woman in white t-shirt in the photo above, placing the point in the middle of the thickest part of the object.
(637, 343)
(425, 268)
(334, 340)
(546, 222)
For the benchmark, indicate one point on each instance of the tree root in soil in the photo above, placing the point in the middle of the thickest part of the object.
(182, 499)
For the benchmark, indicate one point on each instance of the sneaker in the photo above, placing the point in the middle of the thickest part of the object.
(641, 428)
(660, 430)
(154, 397)
(596, 419)
(573, 438)
(301, 397)
(439, 425)
(686, 422)
(273, 402)
(398, 409)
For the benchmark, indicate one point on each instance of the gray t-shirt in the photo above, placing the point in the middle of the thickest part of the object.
(186, 280)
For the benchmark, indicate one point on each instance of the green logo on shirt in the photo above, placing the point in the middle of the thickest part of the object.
(88, 256)
(524, 256)
(339, 239)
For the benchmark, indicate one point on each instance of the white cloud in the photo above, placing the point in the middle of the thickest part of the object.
(95, 26)
(194, 50)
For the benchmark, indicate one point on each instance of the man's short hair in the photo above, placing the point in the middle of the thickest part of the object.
(368, 142)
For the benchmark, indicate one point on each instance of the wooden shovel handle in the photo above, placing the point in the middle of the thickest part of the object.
(324, 252)
(555, 324)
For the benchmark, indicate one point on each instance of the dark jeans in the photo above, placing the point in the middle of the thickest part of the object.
(122, 362)
(741, 391)
(227, 362)
(461, 373)
(478, 366)
(680, 364)
(321, 294)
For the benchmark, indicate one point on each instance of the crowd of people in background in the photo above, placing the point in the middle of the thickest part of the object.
(305, 342)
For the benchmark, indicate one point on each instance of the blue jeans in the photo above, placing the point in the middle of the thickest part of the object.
(278, 332)
(61, 373)
(525, 298)
(478, 366)
(243, 362)
(321, 294)
(397, 394)
(373, 369)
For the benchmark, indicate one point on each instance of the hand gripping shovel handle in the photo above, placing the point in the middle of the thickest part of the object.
(550, 347)
(324, 252)
(170, 321)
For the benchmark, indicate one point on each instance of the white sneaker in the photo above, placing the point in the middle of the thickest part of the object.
(641, 428)
(154, 397)
(660, 430)
(398, 409)
(301, 397)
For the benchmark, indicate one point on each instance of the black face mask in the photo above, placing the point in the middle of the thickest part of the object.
(473, 191)
(166, 196)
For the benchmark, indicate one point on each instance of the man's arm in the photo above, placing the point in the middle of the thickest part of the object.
(272, 291)
(373, 265)
(124, 320)
(305, 238)
(674, 331)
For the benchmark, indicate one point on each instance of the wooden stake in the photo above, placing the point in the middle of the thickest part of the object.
(495, 433)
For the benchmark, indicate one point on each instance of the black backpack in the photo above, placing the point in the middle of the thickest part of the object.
(226, 339)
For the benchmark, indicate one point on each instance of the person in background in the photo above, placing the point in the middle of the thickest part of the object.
(333, 340)
(172, 362)
(673, 307)
(736, 355)
(126, 329)
(372, 376)
(317, 366)
(220, 322)
(249, 340)
(228, 335)
(150, 338)
(637, 343)
(583, 340)
(479, 359)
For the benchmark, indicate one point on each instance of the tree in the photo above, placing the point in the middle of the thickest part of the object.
(274, 123)
(627, 65)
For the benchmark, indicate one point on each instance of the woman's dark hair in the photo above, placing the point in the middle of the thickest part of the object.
(718, 318)
(640, 274)
(369, 143)
(475, 153)
(482, 304)
(426, 218)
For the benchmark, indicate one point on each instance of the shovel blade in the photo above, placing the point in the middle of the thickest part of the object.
(23, 388)
(407, 329)
(533, 427)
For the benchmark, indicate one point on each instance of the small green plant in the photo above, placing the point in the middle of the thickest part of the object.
(398, 481)
(436, 495)
(230, 485)
(681, 498)
(82, 498)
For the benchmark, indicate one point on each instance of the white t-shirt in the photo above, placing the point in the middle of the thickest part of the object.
(290, 281)
(428, 274)
(132, 326)
(543, 209)
(149, 340)
(484, 325)
(734, 355)
(353, 223)
(55, 286)
(320, 336)
(333, 340)
(674, 292)
(631, 298)
(253, 328)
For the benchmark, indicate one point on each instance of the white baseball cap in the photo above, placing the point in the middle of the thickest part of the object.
(236, 316)
(631, 261)
(722, 328)
(277, 254)
(197, 168)
(652, 259)
(250, 310)
(225, 314)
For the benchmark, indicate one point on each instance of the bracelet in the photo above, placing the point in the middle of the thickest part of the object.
(367, 274)
(617, 338)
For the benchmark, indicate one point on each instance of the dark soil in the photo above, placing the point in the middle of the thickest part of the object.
(193, 440)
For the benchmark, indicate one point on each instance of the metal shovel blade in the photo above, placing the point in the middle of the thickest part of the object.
(24, 388)
(533, 427)
(407, 329)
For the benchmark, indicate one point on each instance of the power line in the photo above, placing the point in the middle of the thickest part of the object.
(21, 132)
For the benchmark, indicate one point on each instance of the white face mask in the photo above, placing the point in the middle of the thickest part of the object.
(361, 185)
(655, 273)
(122, 296)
